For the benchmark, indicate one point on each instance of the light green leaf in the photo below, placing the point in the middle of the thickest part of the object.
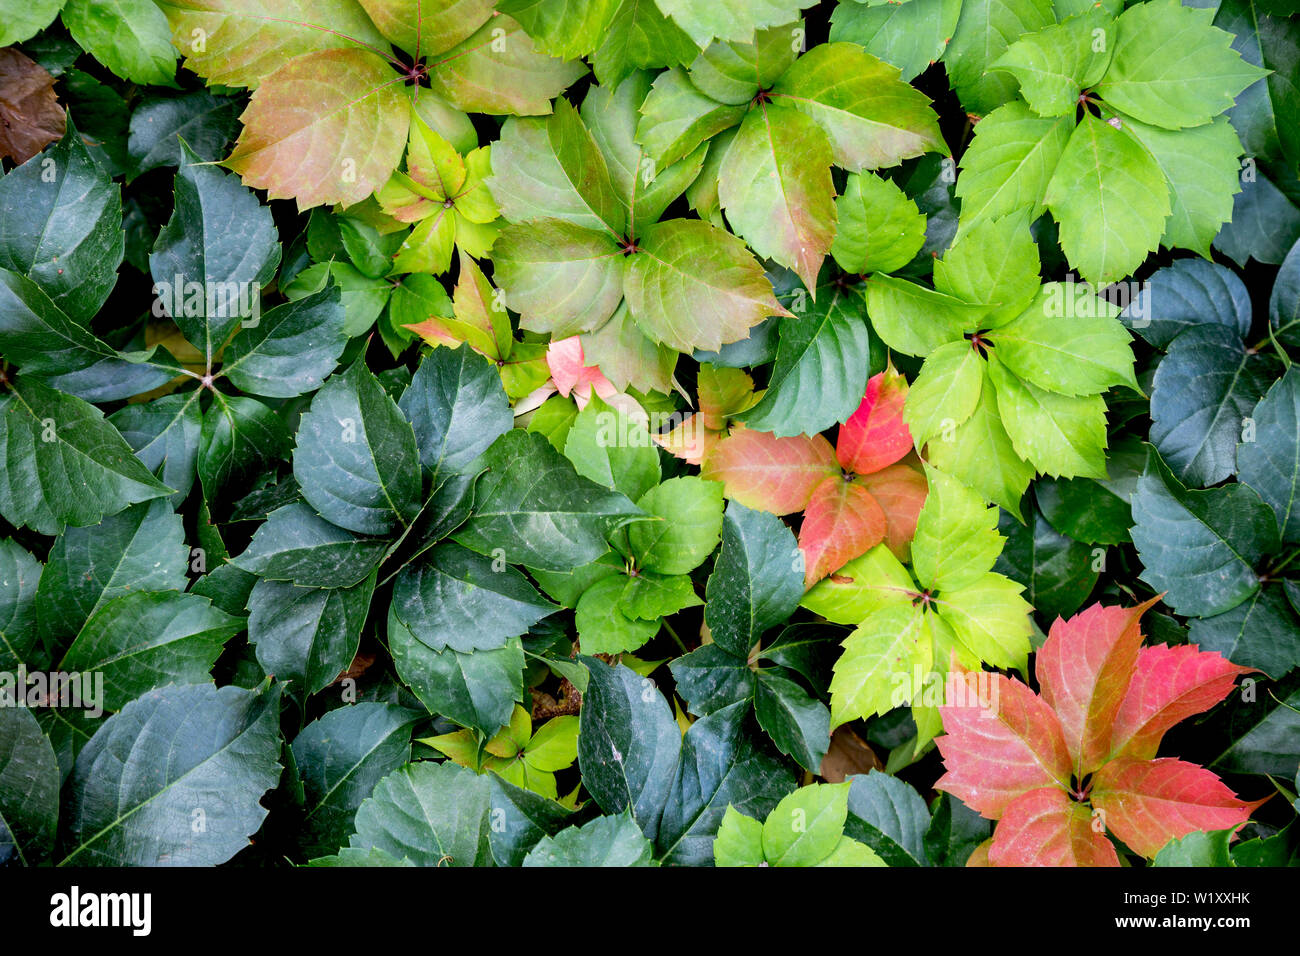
(688, 526)
(914, 319)
(984, 31)
(993, 263)
(956, 539)
(1058, 61)
(130, 37)
(1059, 435)
(875, 672)
(945, 393)
(880, 228)
(1010, 162)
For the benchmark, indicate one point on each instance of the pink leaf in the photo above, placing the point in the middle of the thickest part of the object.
(1045, 827)
(900, 491)
(1083, 670)
(841, 522)
(1147, 803)
(772, 474)
(1170, 684)
(571, 376)
(876, 435)
(1002, 740)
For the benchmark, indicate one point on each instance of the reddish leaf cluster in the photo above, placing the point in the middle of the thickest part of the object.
(1060, 768)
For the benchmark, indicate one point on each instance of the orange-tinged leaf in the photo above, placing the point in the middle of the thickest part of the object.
(323, 143)
(442, 23)
(1001, 740)
(1147, 803)
(476, 304)
(900, 491)
(1044, 827)
(980, 855)
(434, 331)
(841, 521)
(30, 115)
(1083, 671)
(876, 435)
(1169, 684)
(723, 392)
(768, 473)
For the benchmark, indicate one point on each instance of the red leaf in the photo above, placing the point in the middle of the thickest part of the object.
(1083, 670)
(876, 435)
(900, 491)
(30, 115)
(1170, 684)
(1045, 827)
(841, 522)
(999, 743)
(1147, 803)
(773, 474)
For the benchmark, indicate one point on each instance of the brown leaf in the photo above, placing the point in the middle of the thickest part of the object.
(30, 115)
(848, 754)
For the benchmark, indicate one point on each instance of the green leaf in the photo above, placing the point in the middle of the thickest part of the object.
(628, 744)
(433, 814)
(916, 320)
(722, 765)
(1197, 849)
(1091, 511)
(612, 449)
(775, 186)
(457, 408)
(296, 544)
(733, 73)
(1199, 546)
(1055, 63)
(991, 619)
(797, 722)
(945, 393)
(159, 124)
(889, 816)
(640, 37)
(993, 263)
(1203, 391)
(880, 228)
(561, 278)
(603, 627)
(1201, 168)
(213, 749)
(144, 640)
(823, 360)
(1186, 294)
(1284, 301)
(24, 20)
(693, 286)
(888, 645)
(1270, 461)
(1058, 573)
(307, 636)
(605, 841)
(909, 35)
(341, 757)
(477, 689)
(1172, 68)
(239, 436)
(865, 585)
(165, 434)
(19, 576)
(524, 818)
(533, 506)
(290, 350)
(1263, 631)
(1010, 162)
(35, 334)
(1056, 348)
(61, 226)
(676, 118)
(739, 841)
(29, 789)
(1265, 740)
(1262, 110)
(984, 31)
(734, 20)
(1111, 201)
(956, 540)
(955, 831)
(757, 580)
(710, 678)
(873, 118)
(563, 28)
(689, 513)
(214, 255)
(62, 463)
(1264, 224)
(452, 597)
(807, 825)
(130, 37)
(356, 460)
(1059, 435)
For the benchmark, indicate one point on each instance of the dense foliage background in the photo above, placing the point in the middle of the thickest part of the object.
(632, 432)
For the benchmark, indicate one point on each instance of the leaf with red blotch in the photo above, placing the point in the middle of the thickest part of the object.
(876, 435)
(1169, 685)
(768, 473)
(1044, 827)
(842, 521)
(324, 143)
(900, 491)
(30, 115)
(998, 743)
(1083, 671)
(1147, 803)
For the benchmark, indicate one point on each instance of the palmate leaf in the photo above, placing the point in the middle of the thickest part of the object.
(1055, 63)
(909, 35)
(1010, 162)
(216, 750)
(639, 36)
(984, 31)
(1044, 827)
